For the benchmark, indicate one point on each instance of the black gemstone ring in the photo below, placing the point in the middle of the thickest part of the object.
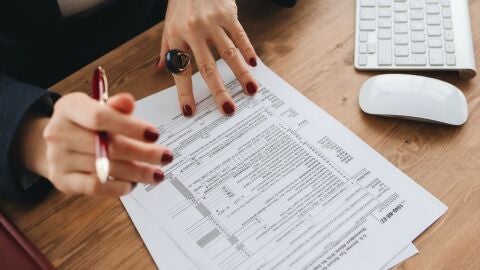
(177, 61)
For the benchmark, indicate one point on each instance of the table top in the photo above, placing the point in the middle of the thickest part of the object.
(312, 47)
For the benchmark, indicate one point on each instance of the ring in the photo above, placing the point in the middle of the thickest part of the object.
(177, 61)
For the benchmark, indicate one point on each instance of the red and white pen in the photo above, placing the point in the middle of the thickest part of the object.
(100, 93)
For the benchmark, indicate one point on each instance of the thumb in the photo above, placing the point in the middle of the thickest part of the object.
(124, 103)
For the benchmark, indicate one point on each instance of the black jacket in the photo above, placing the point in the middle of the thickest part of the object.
(38, 48)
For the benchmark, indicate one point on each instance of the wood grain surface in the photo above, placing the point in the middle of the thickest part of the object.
(312, 47)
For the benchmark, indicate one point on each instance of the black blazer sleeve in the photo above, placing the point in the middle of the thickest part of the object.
(16, 99)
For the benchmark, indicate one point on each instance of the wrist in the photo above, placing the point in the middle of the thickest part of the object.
(31, 147)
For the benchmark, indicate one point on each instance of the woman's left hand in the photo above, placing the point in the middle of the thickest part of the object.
(192, 25)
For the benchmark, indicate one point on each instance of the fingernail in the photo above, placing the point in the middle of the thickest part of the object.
(158, 176)
(157, 61)
(228, 108)
(151, 134)
(134, 185)
(167, 157)
(187, 110)
(251, 88)
(253, 62)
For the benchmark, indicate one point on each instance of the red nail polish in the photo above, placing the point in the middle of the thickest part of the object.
(167, 157)
(251, 88)
(158, 176)
(187, 110)
(151, 134)
(228, 108)
(253, 62)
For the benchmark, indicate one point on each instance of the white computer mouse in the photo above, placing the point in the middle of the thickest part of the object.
(414, 97)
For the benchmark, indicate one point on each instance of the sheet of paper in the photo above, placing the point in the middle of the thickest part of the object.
(405, 254)
(279, 185)
(167, 255)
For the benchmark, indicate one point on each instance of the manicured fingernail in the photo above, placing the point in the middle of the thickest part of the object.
(158, 176)
(228, 108)
(253, 62)
(151, 134)
(167, 157)
(251, 88)
(187, 110)
(157, 61)
(134, 185)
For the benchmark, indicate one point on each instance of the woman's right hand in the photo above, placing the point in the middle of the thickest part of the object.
(68, 158)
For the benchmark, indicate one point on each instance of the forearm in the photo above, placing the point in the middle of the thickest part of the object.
(17, 100)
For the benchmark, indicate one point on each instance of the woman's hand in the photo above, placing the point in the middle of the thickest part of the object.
(67, 157)
(192, 25)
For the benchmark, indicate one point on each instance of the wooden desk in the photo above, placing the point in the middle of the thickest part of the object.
(311, 46)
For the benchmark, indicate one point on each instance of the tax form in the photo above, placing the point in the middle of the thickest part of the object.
(167, 255)
(279, 185)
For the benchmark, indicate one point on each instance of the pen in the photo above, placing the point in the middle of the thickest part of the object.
(100, 93)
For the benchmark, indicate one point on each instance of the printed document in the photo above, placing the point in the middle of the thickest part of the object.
(279, 185)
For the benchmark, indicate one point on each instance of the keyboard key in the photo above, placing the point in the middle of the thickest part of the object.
(445, 3)
(384, 34)
(418, 36)
(384, 53)
(401, 28)
(401, 17)
(368, 3)
(435, 42)
(401, 39)
(446, 12)
(384, 23)
(414, 60)
(451, 59)
(417, 14)
(448, 35)
(367, 25)
(433, 20)
(400, 7)
(362, 59)
(402, 50)
(436, 57)
(363, 36)
(371, 48)
(362, 48)
(367, 14)
(384, 3)
(418, 48)
(434, 30)
(449, 47)
(416, 25)
(384, 12)
(432, 9)
(416, 5)
(447, 24)
(431, 1)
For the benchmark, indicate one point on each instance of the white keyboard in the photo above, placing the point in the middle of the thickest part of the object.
(414, 35)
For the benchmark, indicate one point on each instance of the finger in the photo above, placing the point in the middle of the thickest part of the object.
(183, 81)
(208, 70)
(124, 103)
(86, 112)
(123, 148)
(163, 51)
(120, 147)
(241, 40)
(130, 171)
(229, 53)
(89, 184)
